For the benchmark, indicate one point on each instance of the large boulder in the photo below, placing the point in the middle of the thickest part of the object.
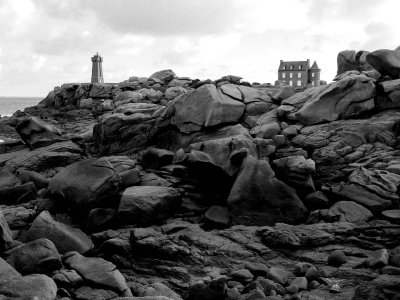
(386, 62)
(98, 271)
(148, 204)
(202, 108)
(349, 97)
(64, 237)
(86, 183)
(259, 198)
(164, 76)
(37, 286)
(349, 60)
(129, 128)
(36, 133)
(39, 256)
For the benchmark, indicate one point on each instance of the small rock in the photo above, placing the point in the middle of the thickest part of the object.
(100, 219)
(335, 288)
(313, 274)
(243, 276)
(279, 140)
(316, 200)
(217, 216)
(337, 258)
(278, 275)
(290, 132)
(67, 278)
(299, 283)
(257, 269)
(313, 285)
(154, 158)
(301, 268)
(378, 259)
(213, 290)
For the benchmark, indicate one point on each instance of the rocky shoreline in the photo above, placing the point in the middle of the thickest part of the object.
(165, 188)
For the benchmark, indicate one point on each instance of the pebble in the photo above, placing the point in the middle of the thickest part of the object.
(335, 288)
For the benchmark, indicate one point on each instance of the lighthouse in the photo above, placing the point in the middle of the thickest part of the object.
(97, 69)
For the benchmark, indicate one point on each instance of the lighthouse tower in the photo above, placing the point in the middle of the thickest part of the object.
(97, 69)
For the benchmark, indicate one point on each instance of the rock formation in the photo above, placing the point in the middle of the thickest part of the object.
(171, 188)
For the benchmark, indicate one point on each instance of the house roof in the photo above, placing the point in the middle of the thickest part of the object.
(294, 65)
(315, 66)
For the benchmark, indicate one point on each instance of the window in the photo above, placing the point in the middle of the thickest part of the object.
(312, 75)
(291, 83)
(284, 67)
(283, 75)
(312, 83)
(291, 75)
(291, 67)
(299, 75)
(298, 82)
(299, 67)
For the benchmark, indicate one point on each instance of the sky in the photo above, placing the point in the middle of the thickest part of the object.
(45, 43)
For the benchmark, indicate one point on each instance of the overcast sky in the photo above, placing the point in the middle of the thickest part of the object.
(44, 43)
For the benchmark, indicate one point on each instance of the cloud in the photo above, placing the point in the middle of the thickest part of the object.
(150, 17)
(378, 34)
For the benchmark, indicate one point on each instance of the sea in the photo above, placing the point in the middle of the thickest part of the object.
(9, 105)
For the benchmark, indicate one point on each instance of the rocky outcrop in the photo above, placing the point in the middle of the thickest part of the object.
(348, 97)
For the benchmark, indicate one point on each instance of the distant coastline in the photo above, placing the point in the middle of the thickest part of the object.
(9, 105)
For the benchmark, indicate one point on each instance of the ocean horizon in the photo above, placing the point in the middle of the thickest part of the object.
(9, 105)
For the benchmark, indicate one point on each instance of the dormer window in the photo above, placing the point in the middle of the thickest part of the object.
(284, 67)
(291, 67)
(299, 67)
